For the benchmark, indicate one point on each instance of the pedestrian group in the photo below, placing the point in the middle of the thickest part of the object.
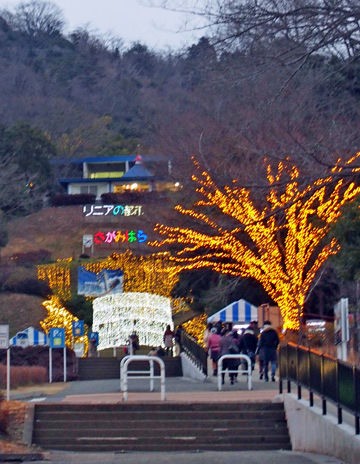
(221, 339)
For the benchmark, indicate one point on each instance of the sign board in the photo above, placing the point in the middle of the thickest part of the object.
(57, 337)
(4, 336)
(101, 283)
(79, 349)
(94, 338)
(88, 241)
(78, 328)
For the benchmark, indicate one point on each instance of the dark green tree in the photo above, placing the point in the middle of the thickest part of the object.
(25, 155)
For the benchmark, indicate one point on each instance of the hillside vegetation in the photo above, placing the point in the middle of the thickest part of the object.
(249, 91)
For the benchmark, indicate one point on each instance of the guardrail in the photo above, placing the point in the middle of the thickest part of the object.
(141, 374)
(333, 380)
(238, 370)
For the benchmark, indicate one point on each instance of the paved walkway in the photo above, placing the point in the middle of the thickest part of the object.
(177, 389)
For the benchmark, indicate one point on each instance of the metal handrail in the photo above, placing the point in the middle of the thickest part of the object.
(332, 379)
(195, 352)
(142, 374)
(247, 371)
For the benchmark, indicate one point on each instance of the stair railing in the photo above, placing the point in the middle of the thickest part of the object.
(330, 378)
(195, 352)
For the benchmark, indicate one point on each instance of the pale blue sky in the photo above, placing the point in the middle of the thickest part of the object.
(132, 20)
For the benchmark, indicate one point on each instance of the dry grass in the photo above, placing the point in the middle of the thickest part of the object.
(23, 375)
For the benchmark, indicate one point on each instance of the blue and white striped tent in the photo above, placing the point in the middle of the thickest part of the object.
(238, 311)
(29, 337)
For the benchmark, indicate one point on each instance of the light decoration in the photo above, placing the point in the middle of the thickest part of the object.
(120, 236)
(58, 276)
(112, 210)
(143, 274)
(146, 274)
(196, 327)
(116, 316)
(58, 316)
(152, 273)
(282, 245)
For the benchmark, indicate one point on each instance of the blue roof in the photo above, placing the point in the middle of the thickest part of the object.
(107, 159)
(137, 172)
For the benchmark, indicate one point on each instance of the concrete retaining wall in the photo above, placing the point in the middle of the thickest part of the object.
(311, 431)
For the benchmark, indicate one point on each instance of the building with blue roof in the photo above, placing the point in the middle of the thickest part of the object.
(114, 174)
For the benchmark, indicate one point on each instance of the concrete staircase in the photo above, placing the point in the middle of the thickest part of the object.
(161, 427)
(109, 368)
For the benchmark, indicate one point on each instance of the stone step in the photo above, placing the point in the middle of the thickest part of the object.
(152, 424)
(161, 427)
(73, 408)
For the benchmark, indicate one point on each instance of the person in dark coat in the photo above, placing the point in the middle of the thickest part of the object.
(229, 345)
(248, 345)
(268, 343)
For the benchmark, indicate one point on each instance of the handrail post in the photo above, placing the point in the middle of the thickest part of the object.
(151, 375)
(145, 374)
(248, 371)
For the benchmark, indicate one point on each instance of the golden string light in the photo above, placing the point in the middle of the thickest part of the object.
(281, 245)
(117, 316)
(58, 316)
(142, 275)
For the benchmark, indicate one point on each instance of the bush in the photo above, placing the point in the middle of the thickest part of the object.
(4, 420)
(31, 257)
(75, 199)
(24, 280)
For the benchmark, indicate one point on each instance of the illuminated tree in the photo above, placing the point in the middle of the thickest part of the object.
(58, 316)
(282, 244)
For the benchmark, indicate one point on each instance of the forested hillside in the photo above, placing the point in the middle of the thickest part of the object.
(258, 87)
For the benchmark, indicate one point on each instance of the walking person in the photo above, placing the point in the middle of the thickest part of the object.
(248, 345)
(168, 339)
(229, 345)
(207, 333)
(178, 340)
(268, 342)
(213, 347)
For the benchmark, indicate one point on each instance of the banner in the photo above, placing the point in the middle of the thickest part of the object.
(101, 283)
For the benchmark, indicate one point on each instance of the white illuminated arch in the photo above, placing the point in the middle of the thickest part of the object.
(116, 315)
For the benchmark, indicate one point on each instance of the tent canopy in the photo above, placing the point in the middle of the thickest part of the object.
(29, 337)
(238, 311)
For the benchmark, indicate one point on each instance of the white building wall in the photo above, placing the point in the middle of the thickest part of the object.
(101, 188)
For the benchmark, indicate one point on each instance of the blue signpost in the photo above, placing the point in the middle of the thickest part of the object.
(78, 328)
(56, 340)
(94, 338)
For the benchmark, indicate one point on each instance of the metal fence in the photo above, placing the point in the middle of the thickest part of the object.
(333, 380)
(195, 352)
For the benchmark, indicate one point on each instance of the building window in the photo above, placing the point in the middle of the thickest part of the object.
(88, 189)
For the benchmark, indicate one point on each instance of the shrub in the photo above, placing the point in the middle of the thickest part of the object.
(31, 257)
(74, 199)
(24, 280)
(4, 420)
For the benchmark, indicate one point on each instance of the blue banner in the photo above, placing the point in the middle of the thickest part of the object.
(101, 283)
